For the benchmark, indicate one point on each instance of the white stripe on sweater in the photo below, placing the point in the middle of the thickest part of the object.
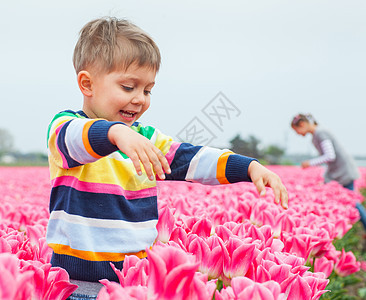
(102, 223)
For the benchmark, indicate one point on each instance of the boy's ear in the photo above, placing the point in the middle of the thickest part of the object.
(85, 83)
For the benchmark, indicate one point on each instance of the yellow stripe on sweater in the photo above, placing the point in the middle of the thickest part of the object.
(104, 171)
(58, 122)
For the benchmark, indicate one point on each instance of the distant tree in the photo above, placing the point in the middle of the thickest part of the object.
(273, 154)
(6, 142)
(249, 147)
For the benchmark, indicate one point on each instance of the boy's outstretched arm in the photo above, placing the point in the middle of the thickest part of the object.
(262, 177)
(140, 149)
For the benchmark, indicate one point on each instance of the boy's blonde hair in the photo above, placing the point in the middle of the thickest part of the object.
(109, 43)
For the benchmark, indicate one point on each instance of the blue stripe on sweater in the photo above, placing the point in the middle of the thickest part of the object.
(98, 137)
(237, 168)
(62, 146)
(181, 161)
(103, 206)
(92, 270)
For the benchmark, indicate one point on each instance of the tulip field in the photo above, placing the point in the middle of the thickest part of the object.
(214, 242)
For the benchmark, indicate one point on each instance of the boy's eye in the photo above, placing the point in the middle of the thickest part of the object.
(147, 93)
(127, 88)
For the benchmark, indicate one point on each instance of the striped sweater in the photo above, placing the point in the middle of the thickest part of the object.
(100, 209)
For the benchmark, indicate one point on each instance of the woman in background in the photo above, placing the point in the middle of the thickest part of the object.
(340, 165)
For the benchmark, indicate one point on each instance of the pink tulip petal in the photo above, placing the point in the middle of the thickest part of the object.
(177, 282)
(298, 289)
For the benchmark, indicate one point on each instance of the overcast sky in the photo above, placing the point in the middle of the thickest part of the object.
(270, 59)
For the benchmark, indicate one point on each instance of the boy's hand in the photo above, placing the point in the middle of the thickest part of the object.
(305, 164)
(139, 149)
(263, 177)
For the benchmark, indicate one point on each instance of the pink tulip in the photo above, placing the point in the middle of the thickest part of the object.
(35, 232)
(244, 205)
(363, 266)
(225, 294)
(179, 235)
(330, 228)
(275, 220)
(342, 227)
(49, 282)
(134, 272)
(280, 273)
(323, 265)
(298, 289)
(4, 246)
(114, 291)
(298, 245)
(286, 258)
(256, 216)
(223, 232)
(305, 286)
(237, 258)
(346, 264)
(319, 247)
(202, 228)
(317, 283)
(172, 273)
(165, 224)
(265, 256)
(244, 288)
(262, 275)
(209, 254)
(288, 223)
(274, 252)
(43, 252)
(189, 221)
(14, 284)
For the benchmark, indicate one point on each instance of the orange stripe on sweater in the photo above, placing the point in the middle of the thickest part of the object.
(93, 256)
(86, 142)
(221, 167)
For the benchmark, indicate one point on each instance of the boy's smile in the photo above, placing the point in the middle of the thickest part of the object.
(122, 95)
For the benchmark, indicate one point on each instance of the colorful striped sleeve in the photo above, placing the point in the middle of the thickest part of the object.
(202, 164)
(74, 141)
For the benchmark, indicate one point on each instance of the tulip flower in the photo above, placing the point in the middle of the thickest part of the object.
(225, 294)
(114, 291)
(244, 288)
(165, 224)
(209, 254)
(346, 264)
(225, 232)
(323, 265)
(134, 272)
(35, 232)
(49, 282)
(298, 289)
(237, 258)
(172, 274)
(202, 228)
(342, 227)
(14, 284)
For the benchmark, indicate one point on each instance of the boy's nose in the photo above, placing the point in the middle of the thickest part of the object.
(139, 98)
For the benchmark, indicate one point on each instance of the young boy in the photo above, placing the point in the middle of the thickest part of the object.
(103, 162)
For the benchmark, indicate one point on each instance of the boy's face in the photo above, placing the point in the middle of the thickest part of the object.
(122, 95)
